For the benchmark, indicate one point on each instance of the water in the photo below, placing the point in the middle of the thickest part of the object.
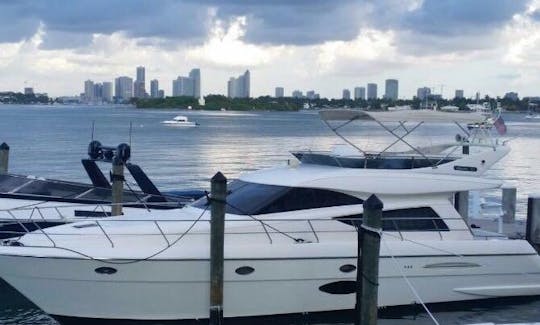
(50, 141)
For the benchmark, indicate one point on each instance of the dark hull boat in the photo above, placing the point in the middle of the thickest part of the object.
(30, 195)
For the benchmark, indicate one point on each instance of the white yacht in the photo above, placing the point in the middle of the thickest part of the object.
(290, 244)
(180, 121)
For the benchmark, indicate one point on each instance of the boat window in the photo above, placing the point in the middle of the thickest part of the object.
(246, 198)
(10, 182)
(414, 219)
(309, 198)
(48, 188)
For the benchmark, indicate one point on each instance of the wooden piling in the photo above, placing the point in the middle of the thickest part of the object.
(532, 232)
(509, 195)
(371, 241)
(117, 186)
(218, 195)
(4, 158)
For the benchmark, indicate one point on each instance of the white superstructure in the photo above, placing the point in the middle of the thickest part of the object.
(180, 121)
(290, 242)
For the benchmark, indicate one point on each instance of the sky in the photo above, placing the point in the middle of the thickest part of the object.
(489, 46)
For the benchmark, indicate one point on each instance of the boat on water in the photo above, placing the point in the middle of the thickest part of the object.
(30, 203)
(533, 116)
(180, 120)
(290, 237)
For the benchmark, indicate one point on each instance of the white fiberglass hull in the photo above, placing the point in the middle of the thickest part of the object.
(180, 124)
(179, 289)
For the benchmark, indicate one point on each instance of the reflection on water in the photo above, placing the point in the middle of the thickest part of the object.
(50, 141)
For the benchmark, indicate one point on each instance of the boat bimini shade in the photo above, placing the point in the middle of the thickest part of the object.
(422, 115)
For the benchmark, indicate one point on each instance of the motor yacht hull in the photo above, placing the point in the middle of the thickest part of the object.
(179, 289)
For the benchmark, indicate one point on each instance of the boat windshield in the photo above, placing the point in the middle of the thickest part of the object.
(246, 198)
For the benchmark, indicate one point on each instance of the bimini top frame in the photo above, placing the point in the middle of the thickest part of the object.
(473, 137)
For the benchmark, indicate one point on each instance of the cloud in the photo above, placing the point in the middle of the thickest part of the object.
(225, 47)
(371, 52)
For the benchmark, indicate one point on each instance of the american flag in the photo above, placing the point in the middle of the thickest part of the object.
(500, 126)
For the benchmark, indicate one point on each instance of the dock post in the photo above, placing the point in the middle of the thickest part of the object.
(532, 232)
(117, 186)
(218, 196)
(371, 242)
(509, 195)
(461, 204)
(4, 158)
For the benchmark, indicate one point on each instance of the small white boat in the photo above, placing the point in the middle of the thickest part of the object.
(180, 121)
(530, 115)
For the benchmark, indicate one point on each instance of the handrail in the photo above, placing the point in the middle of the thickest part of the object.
(310, 229)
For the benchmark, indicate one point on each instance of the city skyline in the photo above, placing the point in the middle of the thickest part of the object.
(44, 48)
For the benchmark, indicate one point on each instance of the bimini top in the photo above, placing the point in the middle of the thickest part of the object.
(422, 115)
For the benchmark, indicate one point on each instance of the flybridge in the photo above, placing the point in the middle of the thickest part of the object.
(449, 158)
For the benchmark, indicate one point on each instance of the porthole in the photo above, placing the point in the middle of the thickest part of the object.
(339, 287)
(106, 270)
(346, 268)
(244, 270)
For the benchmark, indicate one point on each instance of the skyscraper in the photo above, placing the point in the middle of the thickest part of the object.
(154, 88)
(140, 84)
(141, 74)
(297, 94)
(183, 86)
(107, 91)
(89, 93)
(346, 94)
(195, 74)
(371, 91)
(239, 87)
(359, 92)
(423, 93)
(188, 86)
(459, 93)
(391, 89)
(98, 91)
(280, 92)
(123, 88)
(310, 94)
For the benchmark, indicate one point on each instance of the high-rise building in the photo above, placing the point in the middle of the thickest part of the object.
(359, 92)
(98, 91)
(141, 74)
(459, 93)
(183, 86)
(154, 88)
(139, 86)
(297, 94)
(239, 87)
(477, 97)
(391, 89)
(123, 88)
(195, 75)
(107, 91)
(89, 90)
(280, 92)
(423, 93)
(346, 94)
(28, 90)
(161, 93)
(371, 91)
(310, 94)
(188, 86)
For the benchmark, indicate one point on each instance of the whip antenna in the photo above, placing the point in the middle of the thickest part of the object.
(93, 122)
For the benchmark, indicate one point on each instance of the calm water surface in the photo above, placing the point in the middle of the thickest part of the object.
(50, 141)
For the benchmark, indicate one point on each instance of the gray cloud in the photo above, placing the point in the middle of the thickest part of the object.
(459, 17)
(70, 24)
